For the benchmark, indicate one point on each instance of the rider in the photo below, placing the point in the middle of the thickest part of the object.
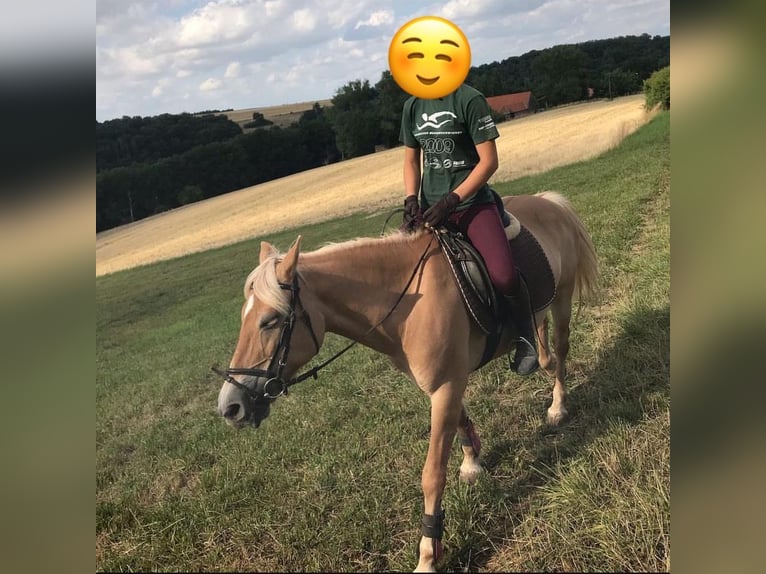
(456, 134)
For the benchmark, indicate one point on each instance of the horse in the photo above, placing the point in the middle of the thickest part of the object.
(395, 295)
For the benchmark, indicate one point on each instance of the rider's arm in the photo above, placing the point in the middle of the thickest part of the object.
(481, 172)
(411, 170)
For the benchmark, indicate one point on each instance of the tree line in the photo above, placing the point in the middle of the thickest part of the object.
(146, 165)
(566, 73)
(131, 192)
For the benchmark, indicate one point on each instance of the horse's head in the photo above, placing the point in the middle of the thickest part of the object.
(279, 334)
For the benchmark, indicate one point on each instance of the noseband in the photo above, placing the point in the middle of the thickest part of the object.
(271, 383)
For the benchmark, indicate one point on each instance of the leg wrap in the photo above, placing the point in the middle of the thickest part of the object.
(433, 525)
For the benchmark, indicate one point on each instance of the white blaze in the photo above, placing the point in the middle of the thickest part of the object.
(250, 303)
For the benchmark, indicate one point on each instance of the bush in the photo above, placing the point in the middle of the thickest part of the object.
(258, 121)
(657, 89)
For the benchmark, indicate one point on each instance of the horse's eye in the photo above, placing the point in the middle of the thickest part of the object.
(269, 322)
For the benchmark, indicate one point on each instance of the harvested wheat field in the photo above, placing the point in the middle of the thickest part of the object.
(371, 183)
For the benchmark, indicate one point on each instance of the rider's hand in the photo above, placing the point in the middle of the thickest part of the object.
(437, 214)
(411, 211)
(413, 215)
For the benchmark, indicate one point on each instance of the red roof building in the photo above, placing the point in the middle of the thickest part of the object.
(513, 105)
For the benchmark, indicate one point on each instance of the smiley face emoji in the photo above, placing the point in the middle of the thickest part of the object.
(429, 57)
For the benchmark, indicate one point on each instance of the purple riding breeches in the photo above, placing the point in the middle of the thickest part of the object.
(482, 225)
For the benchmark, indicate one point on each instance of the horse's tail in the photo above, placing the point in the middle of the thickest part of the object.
(586, 275)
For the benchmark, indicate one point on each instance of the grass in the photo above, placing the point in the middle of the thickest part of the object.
(331, 480)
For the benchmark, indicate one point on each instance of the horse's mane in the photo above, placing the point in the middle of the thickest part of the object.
(263, 279)
(392, 238)
(263, 282)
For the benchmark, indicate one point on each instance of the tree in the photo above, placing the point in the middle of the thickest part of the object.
(259, 121)
(353, 117)
(657, 89)
(317, 136)
(560, 74)
(388, 108)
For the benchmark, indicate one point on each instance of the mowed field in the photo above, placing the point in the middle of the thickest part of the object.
(374, 182)
(282, 115)
(330, 482)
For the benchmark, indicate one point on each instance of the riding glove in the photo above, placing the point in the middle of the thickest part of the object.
(437, 214)
(411, 211)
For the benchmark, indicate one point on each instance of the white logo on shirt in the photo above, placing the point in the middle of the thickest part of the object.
(431, 121)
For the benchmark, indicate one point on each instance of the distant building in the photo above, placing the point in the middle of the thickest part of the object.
(513, 105)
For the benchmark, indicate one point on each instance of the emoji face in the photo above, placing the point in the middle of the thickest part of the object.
(429, 57)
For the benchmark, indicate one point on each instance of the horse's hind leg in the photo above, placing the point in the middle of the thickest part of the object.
(562, 313)
(545, 358)
(471, 447)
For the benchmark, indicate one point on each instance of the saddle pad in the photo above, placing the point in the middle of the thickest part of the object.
(530, 259)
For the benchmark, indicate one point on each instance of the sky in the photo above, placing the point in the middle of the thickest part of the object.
(173, 56)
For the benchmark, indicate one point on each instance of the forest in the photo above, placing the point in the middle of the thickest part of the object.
(147, 165)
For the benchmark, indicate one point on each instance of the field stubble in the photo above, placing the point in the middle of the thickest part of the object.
(526, 146)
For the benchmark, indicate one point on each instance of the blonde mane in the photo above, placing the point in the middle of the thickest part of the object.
(265, 286)
(393, 237)
(262, 281)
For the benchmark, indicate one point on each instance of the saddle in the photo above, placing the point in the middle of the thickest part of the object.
(483, 303)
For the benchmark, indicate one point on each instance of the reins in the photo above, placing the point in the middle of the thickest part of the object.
(279, 386)
(313, 371)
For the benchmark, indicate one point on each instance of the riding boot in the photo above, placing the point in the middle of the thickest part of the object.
(525, 360)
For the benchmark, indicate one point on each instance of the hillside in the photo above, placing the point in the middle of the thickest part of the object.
(371, 183)
(282, 115)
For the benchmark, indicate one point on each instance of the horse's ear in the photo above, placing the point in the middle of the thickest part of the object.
(286, 269)
(267, 250)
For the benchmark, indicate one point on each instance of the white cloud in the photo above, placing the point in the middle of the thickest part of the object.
(232, 70)
(304, 20)
(209, 85)
(159, 89)
(378, 18)
(220, 53)
(216, 22)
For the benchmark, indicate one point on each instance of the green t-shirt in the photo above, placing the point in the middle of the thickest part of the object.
(447, 130)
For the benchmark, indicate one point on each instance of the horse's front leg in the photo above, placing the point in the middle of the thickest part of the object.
(471, 447)
(446, 408)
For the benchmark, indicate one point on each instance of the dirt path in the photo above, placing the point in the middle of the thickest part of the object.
(526, 146)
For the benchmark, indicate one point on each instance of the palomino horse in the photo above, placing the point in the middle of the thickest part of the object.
(396, 295)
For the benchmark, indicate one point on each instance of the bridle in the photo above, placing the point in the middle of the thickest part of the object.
(270, 384)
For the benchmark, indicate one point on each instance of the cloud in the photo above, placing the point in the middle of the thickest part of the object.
(209, 85)
(303, 20)
(377, 19)
(224, 51)
(224, 21)
(232, 70)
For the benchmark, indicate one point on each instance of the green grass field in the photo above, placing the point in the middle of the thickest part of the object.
(331, 480)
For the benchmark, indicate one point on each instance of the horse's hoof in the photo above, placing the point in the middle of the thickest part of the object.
(555, 418)
(470, 473)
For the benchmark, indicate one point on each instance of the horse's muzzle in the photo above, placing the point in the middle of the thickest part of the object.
(240, 408)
